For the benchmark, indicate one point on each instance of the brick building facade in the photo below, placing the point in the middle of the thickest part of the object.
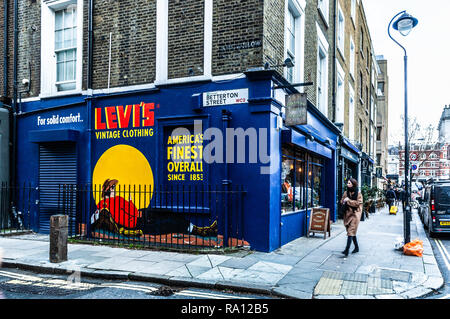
(124, 67)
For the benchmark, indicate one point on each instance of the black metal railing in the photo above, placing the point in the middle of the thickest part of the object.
(182, 217)
(16, 203)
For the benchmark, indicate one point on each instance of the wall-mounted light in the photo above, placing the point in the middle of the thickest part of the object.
(288, 63)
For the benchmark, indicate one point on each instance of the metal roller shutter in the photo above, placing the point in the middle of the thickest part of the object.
(57, 166)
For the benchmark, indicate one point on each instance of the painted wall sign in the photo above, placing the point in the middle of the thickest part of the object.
(56, 119)
(225, 97)
(129, 121)
(184, 157)
(240, 46)
(296, 112)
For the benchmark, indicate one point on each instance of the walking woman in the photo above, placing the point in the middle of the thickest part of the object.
(352, 202)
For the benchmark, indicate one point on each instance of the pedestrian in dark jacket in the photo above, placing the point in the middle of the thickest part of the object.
(390, 197)
(352, 201)
(403, 197)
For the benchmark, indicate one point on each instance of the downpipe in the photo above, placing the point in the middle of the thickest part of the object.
(226, 183)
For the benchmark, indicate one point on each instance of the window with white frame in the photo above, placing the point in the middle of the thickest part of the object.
(351, 113)
(61, 52)
(294, 38)
(323, 6)
(353, 10)
(322, 72)
(66, 48)
(340, 30)
(290, 26)
(352, 57)
(340, 101)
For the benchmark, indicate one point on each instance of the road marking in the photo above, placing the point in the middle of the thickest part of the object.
(194, 293)
(28, 280)
(444, 253)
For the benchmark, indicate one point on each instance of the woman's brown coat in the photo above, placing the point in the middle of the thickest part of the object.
(352, 215)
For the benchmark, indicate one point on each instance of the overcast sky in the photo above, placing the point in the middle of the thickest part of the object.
(428, 49)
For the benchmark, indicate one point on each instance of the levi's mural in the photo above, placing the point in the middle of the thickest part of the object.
(128, 202)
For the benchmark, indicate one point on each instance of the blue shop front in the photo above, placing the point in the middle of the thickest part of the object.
(193, 136)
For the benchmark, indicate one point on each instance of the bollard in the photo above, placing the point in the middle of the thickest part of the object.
(58, 238)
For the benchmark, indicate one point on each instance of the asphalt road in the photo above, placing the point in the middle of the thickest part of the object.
(441, 249)
(17, 284)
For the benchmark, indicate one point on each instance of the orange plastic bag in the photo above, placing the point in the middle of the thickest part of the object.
(414, 248)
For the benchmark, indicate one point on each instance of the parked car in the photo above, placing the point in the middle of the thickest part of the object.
(434, 208)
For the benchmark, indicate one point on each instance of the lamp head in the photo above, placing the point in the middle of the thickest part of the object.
(288, 63)
(405, 24)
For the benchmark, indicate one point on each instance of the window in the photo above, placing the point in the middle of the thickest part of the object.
(299, 169)
(290, 24)
(340, 30)
(380, 88)
(294, 40)
(321, 81)
(361, 42)
(367, 140)
(323, 6)
(361, 87)
(340, 94)
(66, 48)
(367, 97)
(292, 180)
(352, 57)
(61, 52)
(353, 10)
(360, 132)
(351, 115)
(378, 133)
(315, 182)
(322, 72)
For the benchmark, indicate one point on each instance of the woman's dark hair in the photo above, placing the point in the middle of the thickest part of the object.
(354, 189)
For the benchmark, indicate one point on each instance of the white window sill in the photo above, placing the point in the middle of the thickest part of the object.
(59, 94)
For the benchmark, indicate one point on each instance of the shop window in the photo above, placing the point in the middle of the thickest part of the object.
(297, 170)
(287, 182)
(315, 183)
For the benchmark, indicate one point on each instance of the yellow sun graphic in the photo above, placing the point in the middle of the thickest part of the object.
(132, 170)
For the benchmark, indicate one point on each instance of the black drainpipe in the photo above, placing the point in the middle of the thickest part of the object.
(5, 49)
(226, 118)
(90, 44)
(334, 62)
(14, 102)
(89, 83)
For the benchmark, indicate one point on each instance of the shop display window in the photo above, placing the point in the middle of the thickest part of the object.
(299, 169)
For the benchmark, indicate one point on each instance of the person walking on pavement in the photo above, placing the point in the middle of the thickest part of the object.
(402, 197)
(397, 195)
(352, 201)
(390, 197)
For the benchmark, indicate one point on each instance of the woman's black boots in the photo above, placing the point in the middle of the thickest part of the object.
(356, 245)
(349, 242)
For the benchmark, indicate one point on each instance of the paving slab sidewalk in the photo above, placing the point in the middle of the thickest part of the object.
(306, 268)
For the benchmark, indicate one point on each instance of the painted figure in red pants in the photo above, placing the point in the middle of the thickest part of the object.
(115, 213)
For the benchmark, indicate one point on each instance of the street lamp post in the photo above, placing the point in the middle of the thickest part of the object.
(404, 24)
